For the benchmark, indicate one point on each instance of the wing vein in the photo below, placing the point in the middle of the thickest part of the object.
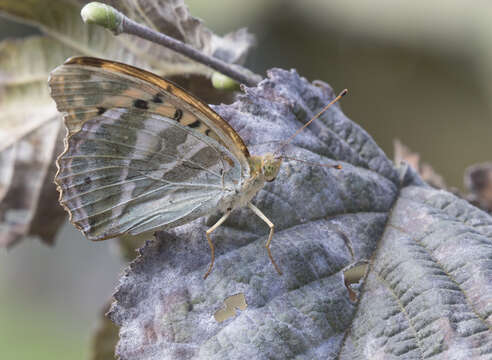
(125, 202)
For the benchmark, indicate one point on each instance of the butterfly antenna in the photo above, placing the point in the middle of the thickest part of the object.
(335, 166)
(342, 94)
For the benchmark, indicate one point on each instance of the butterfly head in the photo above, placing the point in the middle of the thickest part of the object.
(270, 166)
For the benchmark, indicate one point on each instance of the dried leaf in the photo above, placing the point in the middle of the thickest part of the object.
(172, 18)
(104, 339)
(325, 220)
(428, 290)
(403, 153)
(60, 20)
(478, 181)
(30, 137)
(202, 88)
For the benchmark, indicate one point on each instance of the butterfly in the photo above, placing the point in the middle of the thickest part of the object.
(142, 154)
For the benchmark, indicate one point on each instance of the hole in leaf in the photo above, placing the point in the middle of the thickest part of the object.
(232, 303)
(352, 277)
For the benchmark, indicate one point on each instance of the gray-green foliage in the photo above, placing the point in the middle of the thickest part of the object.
(428, 288)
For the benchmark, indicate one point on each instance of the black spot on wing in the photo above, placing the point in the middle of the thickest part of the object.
(101, 110)
(157, 99)
(141, 104)
(87, 180)
(207, 132)
(194, 124)
(178, 114)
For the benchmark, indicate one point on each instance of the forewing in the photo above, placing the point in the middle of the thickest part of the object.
(133, 164)
(85, 86)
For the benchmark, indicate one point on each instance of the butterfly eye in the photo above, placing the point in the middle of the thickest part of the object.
(270, 169)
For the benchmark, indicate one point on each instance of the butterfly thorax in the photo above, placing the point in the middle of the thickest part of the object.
(263, 169)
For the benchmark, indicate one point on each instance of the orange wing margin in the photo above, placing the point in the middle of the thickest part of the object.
(169, 87)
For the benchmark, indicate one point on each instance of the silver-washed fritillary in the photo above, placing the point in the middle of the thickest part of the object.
(141, 154)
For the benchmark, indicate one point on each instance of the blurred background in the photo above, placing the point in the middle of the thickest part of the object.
(419, 71)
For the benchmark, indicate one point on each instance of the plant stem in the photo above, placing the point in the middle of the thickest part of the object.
(235, 72)
(110, 18)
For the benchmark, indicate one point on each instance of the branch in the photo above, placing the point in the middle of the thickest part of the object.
(110, 18)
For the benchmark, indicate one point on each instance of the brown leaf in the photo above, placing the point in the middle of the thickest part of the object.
(202, 87)
(30, 137)
(325, 220)
(173, 18)
(105, 338)
(403, 153)
(478, 181)
(60, 19)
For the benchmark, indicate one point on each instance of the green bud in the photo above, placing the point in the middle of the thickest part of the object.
(102, 15)
(222, 82)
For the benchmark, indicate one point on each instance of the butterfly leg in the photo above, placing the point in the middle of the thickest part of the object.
(212, 248)
(272, 226)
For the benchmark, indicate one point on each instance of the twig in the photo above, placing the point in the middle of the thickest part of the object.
(110, 18)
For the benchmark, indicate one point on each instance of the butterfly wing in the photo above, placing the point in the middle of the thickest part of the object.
(141, 154)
